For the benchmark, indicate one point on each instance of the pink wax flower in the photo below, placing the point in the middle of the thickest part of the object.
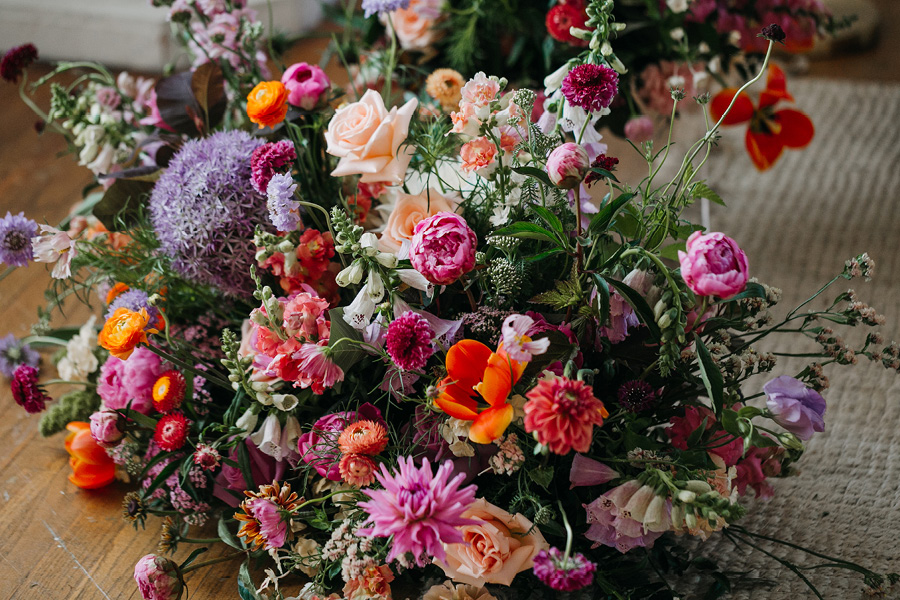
(563, 412)
(611, 524)
(124, 381)
(639, 129)
(158, 578)
(516, 332)
(105, 429)
(443, 248)
(305, 84)
(408, 341)
(567, 165)
(714, 265)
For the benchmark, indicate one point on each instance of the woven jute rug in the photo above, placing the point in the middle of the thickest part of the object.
(798, 223)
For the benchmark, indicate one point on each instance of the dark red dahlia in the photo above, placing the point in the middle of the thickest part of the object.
(591, 87)
(561, 18)
(17, 60)
(25, 390)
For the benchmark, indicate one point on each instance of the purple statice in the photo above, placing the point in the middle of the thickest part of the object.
(269, 159)
(26, 391)
(133, 299)
(408, 341)
(383, 6)
(422, 510)
(591, 87)
(14, 353)
(563, 573)
(284, 210)
(204, 211)
(15, 239)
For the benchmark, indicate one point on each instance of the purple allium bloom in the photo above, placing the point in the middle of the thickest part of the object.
(383, 6)
(15, 239)
(408, 341)
(13, 354)
(561, 573)
(797, 408)
(267, 160)
(204, 211)
(17, 59)
(133, 299)
(420, 509)
(25, 390)
(283, 209)
(591, 87)
(636, 395)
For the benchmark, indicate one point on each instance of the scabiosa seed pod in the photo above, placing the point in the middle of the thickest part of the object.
(171, 432)
(567, 165)
(168, 391)
(636, 395)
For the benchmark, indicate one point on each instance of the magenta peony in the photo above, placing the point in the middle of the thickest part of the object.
(443, 248)
(714, 265)
(567, 165)
(305, 84)
(124, 381)
(158, 578)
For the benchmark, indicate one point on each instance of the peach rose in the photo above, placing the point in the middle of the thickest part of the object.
(406, 214)
(495, 550)
(367, 138)
(415, 26)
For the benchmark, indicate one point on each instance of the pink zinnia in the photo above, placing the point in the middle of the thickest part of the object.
(408, 341)
(591, 87)
(563, 573)
(268, 159)
(563, 413)
(419, 509)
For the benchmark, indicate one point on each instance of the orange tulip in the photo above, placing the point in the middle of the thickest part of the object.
(92, 468)
(473, 369)
(123, 331)
(267, 103)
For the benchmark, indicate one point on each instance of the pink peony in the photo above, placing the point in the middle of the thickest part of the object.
(562, 412)
(640, 129)
(567, 165)
(124, 381)
(158, 578)
(443, 248)
(305, 84)
(611, 524)
(714, 265)
(105, 429)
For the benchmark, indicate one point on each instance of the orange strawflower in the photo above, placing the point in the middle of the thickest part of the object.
(113, 293)
(267, 103)
(92, 467)
(123, 331)
(363, 437)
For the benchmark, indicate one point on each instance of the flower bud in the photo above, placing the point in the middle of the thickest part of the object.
(567, 165)
(158, 578)
(687, 496)
(105, 428)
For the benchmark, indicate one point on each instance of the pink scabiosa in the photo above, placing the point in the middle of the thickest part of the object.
(567, 165)
(16, 233)
(171, 432)
(17, 60)
(26, 391)
(158, 578)
(714, 265)
(591, 87)
(563, 413)
(408, 341)
(268, 159)
(443, 248)
(14, 353)
(305, 84)
(207, 458)
(515, 333)
(419, 508)
(563, 573)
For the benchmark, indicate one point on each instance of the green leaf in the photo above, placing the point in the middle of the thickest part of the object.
(671, 251)
(543, 255)
(539, 174)
(244, 464)
(753, 290)
(730, 422)
(542, 476)
(246, 589)
(140, 419)
(697, 434)
(344, 340)
(712, 377)
(603, 294)
(192, 557)
(121, 203)
(602, 219)
(226, 535)
(551, 219)
(604, 173)
(701, 190)
(523, 229)
(639, 305)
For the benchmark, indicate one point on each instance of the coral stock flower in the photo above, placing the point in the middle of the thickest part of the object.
(473, 369)
(770, 131)
(123, 331)
(267, 103)
(92, 468)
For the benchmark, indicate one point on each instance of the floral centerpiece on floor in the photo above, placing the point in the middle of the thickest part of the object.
(375, 345)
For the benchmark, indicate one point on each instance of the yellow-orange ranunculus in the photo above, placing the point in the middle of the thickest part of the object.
(92, 467)
(123, 331)
(267, 103)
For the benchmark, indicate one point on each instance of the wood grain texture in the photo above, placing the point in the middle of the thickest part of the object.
(59, 542)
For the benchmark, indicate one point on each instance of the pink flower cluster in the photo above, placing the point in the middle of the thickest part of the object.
(124, 381)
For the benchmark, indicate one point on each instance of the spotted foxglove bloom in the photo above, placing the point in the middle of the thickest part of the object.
(55, 246)
(516, 341)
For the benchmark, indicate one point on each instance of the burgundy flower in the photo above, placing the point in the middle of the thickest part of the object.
(591, 87)
(408, 341)
(17, 60)
(607, 163)
(25, 390)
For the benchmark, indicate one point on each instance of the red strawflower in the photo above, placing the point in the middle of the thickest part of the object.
(171, 432)
(17, 60)
(25, 390)
(561, 18)
(207, 457)
(168, 391)
(563, 413)
(591, 87)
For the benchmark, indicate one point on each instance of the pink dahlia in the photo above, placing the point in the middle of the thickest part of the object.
(563, 413)
(443, 248)
(563, 573)
(591, 87)
(420, 509)
(408, 341)
(25, 390)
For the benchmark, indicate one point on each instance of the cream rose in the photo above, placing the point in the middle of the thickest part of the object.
(495, 550)
(406, 213)
(367, 138)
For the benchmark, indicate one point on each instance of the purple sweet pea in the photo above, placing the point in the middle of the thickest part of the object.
(795, 407)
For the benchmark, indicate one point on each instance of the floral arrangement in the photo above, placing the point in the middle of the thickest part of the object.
(418, 338)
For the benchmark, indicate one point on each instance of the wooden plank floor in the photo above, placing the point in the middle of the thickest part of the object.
(57, 541)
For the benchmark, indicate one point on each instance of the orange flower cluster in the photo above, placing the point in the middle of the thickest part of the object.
(358, 442)
(267, 103)
(123, 331)
(92, 468)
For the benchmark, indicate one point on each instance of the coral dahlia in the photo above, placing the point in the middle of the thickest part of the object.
(563, 413)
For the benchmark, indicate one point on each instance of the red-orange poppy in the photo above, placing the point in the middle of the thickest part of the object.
(92, 467)
(474, 370)
(770, 130)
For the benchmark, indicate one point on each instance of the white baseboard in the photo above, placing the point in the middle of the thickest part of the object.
(129, 34)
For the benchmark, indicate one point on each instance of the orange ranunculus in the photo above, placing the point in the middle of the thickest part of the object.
(473, 369)
(267, 103)
(123, 331)
(92, 467)
(115, 291)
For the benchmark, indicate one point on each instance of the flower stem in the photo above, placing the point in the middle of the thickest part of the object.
(211, 561)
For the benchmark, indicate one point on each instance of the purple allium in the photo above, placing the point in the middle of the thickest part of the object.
(267, 160)
(133, 299)
(591, 87)
(419, 509)
(204, 210)
(636, 395)
(383, 6)
(25, 390)
(797, 408)
(283, 208)
(15, 239)
(13, 354)
(561, 573)
(408, 341)
(16, 60)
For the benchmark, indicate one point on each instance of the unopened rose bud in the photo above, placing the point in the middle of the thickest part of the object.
(567, 165)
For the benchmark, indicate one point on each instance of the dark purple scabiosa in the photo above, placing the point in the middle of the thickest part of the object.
(591, 87)
(773, 33)
(17, 60)
(636, 395)
(15, 239)
(204, 210)
(14, 353)
(607, 163)
(26, 391)
(563, 573)
(408, 341)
